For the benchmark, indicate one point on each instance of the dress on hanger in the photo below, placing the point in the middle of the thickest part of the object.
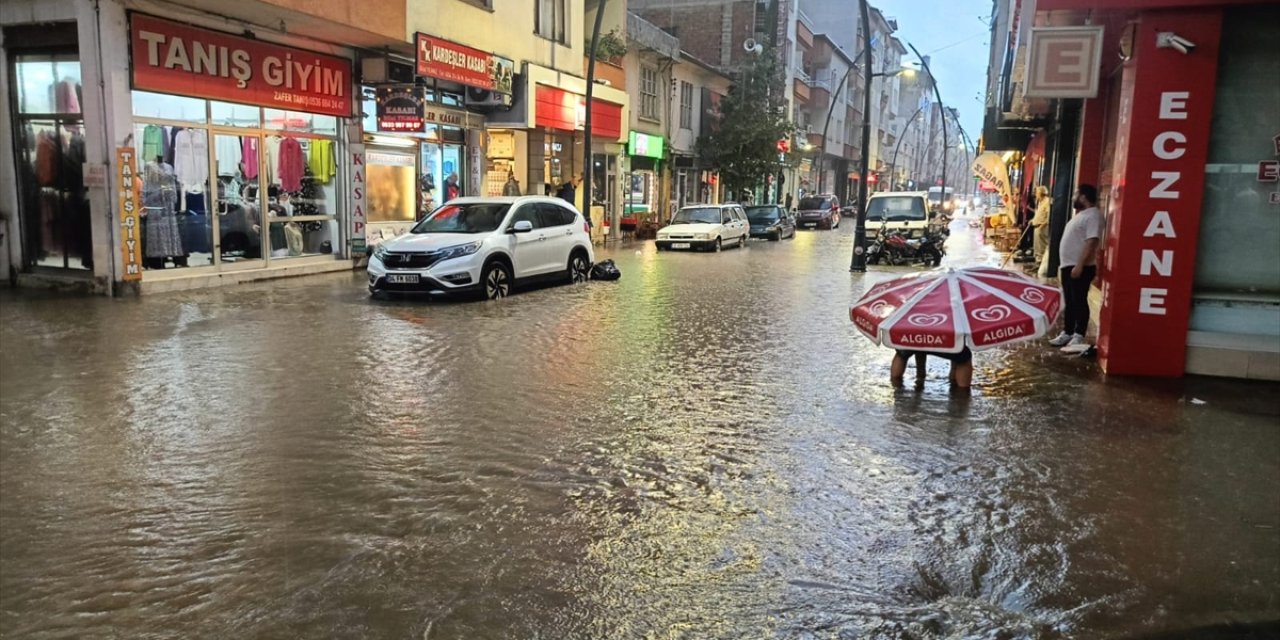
(153, 145)
(320, 160)
(290, 166)
(159, 202)
(227, 151)
(249, 153)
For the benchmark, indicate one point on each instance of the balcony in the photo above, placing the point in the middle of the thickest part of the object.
(802, 86)
(613, 74)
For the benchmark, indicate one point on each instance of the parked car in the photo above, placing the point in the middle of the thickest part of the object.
(822, 212)
(771, 221)
(905, 212)
(485, 246)
(705, 226)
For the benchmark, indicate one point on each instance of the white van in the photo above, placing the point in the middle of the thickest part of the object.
(938, 204)
(906, 211)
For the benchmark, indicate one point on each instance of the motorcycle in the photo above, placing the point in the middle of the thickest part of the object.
(898, 249)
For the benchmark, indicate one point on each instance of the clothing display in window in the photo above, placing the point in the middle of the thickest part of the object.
(227, 152)
(191, 158)
(159, 205)
(169, 140)
(194, 225)
(153, 143)
(290, 165)
(249, 155)
(320, 160)
(273, 156)
(67, 96)
(48, 153)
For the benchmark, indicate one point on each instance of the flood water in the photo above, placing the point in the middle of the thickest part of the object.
(704, 449)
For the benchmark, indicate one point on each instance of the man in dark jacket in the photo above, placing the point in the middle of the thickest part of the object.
(569, 190)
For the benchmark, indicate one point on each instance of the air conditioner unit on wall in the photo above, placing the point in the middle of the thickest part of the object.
(486, 99)
(382, 69)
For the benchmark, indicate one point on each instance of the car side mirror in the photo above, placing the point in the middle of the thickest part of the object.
(521, 226)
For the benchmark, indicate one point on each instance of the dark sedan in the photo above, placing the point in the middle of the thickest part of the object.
(771, 221)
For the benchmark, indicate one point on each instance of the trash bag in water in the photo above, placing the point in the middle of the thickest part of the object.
(605, 270)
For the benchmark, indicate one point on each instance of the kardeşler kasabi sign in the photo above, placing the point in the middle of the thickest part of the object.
(454, 62)
(169, 57)
(399, 109)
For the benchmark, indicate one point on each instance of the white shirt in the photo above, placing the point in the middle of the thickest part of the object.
(191, 159)
(1085, 226)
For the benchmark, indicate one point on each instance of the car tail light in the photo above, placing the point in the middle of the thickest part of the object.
(586, 227)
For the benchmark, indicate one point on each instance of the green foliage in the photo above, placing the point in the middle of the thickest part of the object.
(611, 47)
(744, 147)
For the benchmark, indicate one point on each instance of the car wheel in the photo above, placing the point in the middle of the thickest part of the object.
(777, 235)
(742, 241)
(719, 245)
(579, 268)
(496, 280)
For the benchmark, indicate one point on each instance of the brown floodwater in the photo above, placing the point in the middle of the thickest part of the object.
(703, 449)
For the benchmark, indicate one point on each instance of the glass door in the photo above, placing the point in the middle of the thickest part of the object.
(238, 217)
(49, 130)
(452, 168)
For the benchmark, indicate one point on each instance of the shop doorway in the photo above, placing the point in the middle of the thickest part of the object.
(49, 132)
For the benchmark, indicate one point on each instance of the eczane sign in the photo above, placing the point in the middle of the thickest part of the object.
(1063, 62)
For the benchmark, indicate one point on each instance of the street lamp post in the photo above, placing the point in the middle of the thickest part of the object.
(588, 163)
(942, 109)
(893, 166)
(859, 261)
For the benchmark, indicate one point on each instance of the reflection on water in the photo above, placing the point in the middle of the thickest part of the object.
(705, 448)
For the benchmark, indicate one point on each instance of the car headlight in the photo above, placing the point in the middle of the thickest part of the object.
(380, 252)
(700, 236)
(457, 251)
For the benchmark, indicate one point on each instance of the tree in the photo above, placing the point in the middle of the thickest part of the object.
(743, 144)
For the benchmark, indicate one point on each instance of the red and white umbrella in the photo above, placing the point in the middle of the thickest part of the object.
(947, 310)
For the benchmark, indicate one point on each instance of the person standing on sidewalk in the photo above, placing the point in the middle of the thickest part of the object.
(1078, 254)
(1041, 222)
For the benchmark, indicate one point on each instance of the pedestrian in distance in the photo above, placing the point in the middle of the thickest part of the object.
(1041, 222)
(1078, 255)
(512, 187)
(569, 190)
(451, 187)
(961, 375)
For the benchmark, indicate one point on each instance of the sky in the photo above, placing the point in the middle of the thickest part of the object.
(956, 37)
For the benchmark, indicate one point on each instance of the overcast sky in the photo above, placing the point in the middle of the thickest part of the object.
(955, 36)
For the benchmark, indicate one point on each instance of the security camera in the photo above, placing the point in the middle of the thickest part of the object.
(1171, 40)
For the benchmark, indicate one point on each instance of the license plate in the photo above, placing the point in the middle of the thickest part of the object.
(809, 224)
(403, 278)
(680, 245)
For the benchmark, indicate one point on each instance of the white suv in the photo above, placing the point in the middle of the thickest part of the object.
(485, 245)
(706, 226)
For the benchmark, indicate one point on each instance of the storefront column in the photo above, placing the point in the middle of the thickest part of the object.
(1093, 129)
(536, 179)
(1154, 219)
(108, 120)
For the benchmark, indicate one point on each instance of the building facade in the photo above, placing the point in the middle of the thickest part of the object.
(1173, 117)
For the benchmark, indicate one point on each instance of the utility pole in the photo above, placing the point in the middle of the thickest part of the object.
(941, 109)
(859, 261)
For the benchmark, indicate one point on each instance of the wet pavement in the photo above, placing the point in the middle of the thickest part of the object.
(704, 449)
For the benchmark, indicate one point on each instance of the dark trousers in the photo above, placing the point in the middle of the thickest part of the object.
(1075, 295)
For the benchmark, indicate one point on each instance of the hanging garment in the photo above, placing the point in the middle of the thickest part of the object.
(290, 165)
(191, 158)
(320, 161)
(194, 225)
(169, 141)
(226, 152)
(48, 157)
(249, 154)
(273, 158)
(67, 96)
(159, 203)
(153, 143)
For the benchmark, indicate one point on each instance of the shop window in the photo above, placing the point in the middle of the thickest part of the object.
(686, 105)
(649, 93)
(301, 122)
(166, 107)
(173, 167)
(550, 20)
(228, 114)
(48, 84)
(393, 186)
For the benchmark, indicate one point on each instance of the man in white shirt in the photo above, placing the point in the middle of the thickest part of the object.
(1077, 257)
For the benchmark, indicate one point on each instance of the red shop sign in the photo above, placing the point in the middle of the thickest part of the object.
(459, 63)
(565, 111)
(174, 58)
